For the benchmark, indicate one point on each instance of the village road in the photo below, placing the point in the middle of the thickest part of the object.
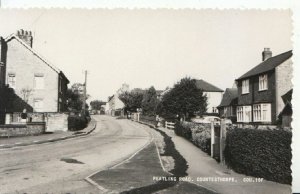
(60, 167)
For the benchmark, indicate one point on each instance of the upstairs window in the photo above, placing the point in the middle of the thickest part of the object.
(38, 81)
(11, 80)
(245, 86)
(263, 82)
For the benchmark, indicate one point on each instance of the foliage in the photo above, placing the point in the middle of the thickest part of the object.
(185, 99)
(149, 102)
(76, 122)
(199, 134)
(26, 92)
(260, 153)
(74, 101)
(132, 100)
(96, 104)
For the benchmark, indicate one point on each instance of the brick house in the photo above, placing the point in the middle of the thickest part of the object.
(38, 84)
(227, 107)
(260, 89)
(213, 93)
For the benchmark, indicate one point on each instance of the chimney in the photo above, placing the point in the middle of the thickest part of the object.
(26, 36)
(267, 53)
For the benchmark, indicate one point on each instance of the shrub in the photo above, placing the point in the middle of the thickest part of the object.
(260, 153)
(199, 134)
(76, 123)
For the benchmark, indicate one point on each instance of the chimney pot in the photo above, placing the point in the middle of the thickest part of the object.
(26, 36)
(266, 54)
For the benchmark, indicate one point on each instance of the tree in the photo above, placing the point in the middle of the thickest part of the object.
(26, 93)
(185, 100)
(96, 104)
(74, 101)
(149, 102)
(132, 100)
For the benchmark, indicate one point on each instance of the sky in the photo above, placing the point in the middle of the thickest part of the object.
(146, 47)
(158, 47)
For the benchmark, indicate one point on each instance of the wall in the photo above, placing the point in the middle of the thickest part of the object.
(284, 74)
(22, 130)
(213, 100)
(56, 122)
(25, 64)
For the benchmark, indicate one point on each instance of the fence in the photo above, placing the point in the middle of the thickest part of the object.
(169, 125)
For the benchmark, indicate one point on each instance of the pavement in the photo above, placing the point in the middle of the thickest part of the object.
(216, 176)
(10, 142)
(144, 173)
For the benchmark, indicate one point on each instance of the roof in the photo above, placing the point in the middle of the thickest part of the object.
(13, 36)
(207, 87)
(267, 65)
(229, 97)
(287, 97)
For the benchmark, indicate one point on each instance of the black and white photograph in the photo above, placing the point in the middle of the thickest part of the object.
(146, 101)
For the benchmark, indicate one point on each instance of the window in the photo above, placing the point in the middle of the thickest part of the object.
(38, 105)
(263, 82)
(11, 80)
(245, 86)
(262, 112)
(239, 111)
(38, 82)
(244, 114)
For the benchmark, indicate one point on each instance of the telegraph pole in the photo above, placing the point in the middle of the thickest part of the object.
(84, 92)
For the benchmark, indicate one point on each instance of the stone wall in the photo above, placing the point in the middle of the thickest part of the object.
(284, 74)
(14, 130)
(56, 121)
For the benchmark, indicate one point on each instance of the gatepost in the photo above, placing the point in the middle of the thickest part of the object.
(222, 140)
(212, 138)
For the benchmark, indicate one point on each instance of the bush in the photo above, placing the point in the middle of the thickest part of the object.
(260, 153)
(76, 123)
(198, 134)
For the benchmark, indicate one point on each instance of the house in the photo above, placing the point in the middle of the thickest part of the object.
(260, 89)
(115, 105)
(213, 93)
(40, 86)
(285, 116)
(227, 107)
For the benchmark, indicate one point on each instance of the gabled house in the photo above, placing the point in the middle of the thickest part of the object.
(227, 107)
(40, 85)
(213, 93)
(260, 89)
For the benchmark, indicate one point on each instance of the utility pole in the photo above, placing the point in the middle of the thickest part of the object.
(84, 92)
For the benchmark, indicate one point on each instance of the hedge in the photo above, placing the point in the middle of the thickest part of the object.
(76, 123)
(260, 153)
(198, 134)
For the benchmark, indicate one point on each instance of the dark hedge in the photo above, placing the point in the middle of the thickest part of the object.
(260, 153)
(76, 123)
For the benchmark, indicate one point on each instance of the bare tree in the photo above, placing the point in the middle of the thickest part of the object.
(26, 92)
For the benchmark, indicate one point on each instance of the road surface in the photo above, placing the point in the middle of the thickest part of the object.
(60, 167)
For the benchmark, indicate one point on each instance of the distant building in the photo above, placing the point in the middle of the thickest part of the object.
(115, 107)
(213, 93)
(227, 107)
(260, 89)
(39, 85)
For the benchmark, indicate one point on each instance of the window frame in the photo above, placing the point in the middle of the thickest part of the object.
(10, 75)
(39, 76)
(263, 82)
(262, 112)
(40, 100)
(245, 86)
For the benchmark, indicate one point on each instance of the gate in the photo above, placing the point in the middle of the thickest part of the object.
(218, 136)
